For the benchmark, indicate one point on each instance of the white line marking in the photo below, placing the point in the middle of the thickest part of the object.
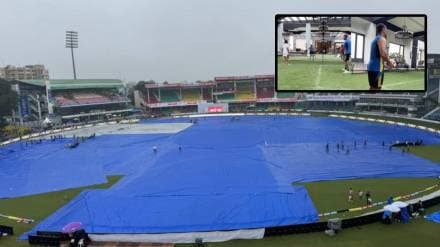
(318, 78)
(399, 83)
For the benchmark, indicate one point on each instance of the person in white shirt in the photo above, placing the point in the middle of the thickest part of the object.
(350, 195)
(286, 52)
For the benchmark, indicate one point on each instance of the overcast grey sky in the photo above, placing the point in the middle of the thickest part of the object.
(167, 40)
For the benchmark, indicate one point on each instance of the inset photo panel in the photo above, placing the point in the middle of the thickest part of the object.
(343, 53)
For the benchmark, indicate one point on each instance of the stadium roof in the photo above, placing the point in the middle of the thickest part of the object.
(180, 85)
(218, 79)
(241, 78)
(63, 84)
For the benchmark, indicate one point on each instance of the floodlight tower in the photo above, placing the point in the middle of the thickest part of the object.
(72, 42)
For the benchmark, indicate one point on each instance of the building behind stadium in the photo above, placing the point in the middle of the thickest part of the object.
(28, 72)
(99, 99)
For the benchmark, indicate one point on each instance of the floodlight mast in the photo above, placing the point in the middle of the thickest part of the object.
(72, 43)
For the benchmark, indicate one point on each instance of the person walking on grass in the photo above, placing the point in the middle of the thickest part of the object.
(360, 195)
(350, 195)
(368, 197)
(312, 52)
(285, 50)
(347, 53)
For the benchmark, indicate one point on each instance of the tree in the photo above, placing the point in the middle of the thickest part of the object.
(141, 85)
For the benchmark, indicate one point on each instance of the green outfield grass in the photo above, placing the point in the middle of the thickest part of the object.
(327, 196)
(332, 195)
(303, 73)
(418, 232)
(38, 207)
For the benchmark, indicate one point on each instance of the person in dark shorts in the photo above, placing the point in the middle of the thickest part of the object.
(368, 197)
(378, 56)
(347, 53)
(312, 52)
(286, 50)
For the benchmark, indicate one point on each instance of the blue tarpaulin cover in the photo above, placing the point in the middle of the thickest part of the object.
(435, 217)
(45, 167)
(228, 175)
(404, 215)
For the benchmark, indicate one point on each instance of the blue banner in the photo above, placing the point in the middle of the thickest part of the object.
(24, 106)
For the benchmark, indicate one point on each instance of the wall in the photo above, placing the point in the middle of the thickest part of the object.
(366, 28)
(280, 38)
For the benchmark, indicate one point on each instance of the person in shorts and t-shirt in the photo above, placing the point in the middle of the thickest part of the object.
(347, 52)
(378, 56)
(286, 52)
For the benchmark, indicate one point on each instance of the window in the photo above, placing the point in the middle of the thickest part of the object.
(300, 44)
(395, 50)
(291, 45)
(359, 52)
(420, 53)
(353, 42)
(357, 46)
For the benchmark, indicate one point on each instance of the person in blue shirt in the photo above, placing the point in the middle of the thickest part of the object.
(390, 200)
(378, 56)
(347, 52)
